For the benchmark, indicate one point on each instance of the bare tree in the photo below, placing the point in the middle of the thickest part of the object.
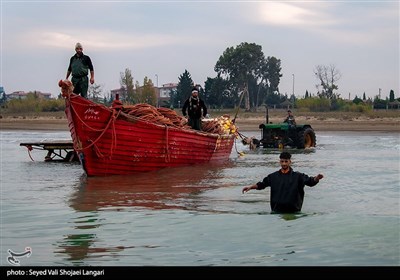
(95, 91)
(327, 77)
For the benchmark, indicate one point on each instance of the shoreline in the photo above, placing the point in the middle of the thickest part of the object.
(331, 124)
(243, 124)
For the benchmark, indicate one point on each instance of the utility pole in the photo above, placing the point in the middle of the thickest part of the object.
(158, 91)
(293, 85)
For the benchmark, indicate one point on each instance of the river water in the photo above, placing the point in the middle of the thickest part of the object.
(197, 215)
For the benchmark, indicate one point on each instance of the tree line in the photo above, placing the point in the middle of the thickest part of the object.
(245, 70)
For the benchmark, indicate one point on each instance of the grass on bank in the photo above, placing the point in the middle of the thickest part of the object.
(242, 114)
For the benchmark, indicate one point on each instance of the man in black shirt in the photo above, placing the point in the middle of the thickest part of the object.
(193, 105)
(290, 118)
(79, 66)
(291, 132)
(287, 186)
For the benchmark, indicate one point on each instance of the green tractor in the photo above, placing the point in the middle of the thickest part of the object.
(282, 135)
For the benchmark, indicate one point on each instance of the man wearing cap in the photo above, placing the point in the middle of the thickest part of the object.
(79, 65)
(287, 186)
(193, 105)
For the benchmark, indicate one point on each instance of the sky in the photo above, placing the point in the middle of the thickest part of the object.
(162, 39)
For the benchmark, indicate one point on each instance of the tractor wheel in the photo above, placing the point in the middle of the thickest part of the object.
(307, 138)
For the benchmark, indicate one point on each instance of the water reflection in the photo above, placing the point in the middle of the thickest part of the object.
(163, 189)
(80, 245)
(76, 246)
(293, 151)
(292, 216)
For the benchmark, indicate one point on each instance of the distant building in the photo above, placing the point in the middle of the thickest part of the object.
(163, 93)
(286, 104)
(16, 95)
(120, 91)
(23, 95)
(394, 104)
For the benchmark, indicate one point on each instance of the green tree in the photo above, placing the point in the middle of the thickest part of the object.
(147, 93)
(127, 83)
(218, 93)
(183, 90)
(105, 101)
(314, 104)
(274, 98)
(271, 74)
(357, 100)
(379, 103)
(391, 96)
(241, 64)
(3, 99)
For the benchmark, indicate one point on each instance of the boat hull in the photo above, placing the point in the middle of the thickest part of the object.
(110, 142)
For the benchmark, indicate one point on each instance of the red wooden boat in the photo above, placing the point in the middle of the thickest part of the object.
(115, 141)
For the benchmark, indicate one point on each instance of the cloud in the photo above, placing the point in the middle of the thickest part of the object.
(101, 40)
(288, 14)
(334, 22)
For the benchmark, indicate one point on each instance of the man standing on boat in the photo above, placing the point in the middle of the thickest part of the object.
(79, 65)
(193, 105)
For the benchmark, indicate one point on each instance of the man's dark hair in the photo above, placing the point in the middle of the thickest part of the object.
(285, 155)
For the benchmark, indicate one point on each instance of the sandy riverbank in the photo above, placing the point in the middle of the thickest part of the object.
(332, 124)
(391, 124)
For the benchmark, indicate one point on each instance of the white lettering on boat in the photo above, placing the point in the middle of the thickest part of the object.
(91, 114)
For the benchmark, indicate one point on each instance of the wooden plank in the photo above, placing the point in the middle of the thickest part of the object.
(47, 145)
(56, 149)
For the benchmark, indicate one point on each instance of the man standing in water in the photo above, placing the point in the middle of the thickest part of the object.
(79, 65)
(287, 186)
